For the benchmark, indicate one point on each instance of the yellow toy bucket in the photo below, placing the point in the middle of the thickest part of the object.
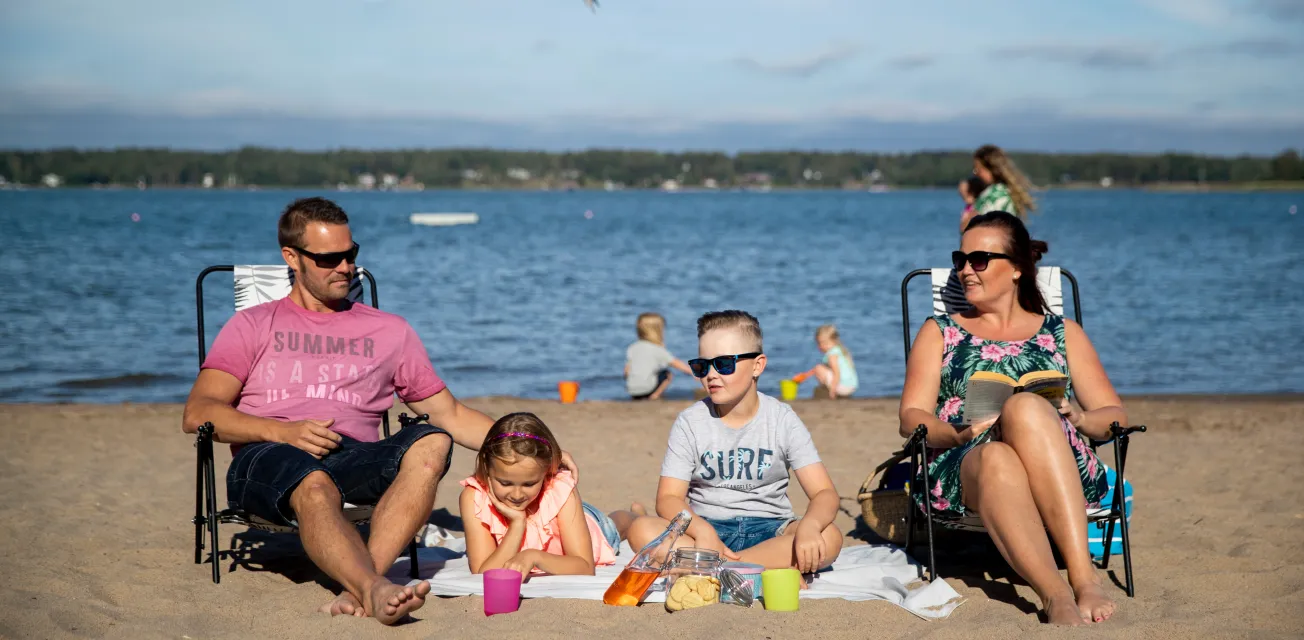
(788, 390)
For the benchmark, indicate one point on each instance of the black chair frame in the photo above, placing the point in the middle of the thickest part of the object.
(207, 515)
(917, 446)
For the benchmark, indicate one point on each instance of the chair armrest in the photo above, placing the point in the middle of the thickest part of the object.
(1118, 431)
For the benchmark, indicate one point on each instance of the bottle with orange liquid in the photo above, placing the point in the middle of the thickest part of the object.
(632, 583)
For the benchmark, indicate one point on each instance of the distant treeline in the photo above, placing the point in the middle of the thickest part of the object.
(598, 168)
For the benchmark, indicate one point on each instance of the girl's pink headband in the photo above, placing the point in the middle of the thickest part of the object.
(522, 435)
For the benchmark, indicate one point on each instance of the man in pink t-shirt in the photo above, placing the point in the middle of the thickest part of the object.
(298, 387)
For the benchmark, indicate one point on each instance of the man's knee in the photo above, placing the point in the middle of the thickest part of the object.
(429, 455)
(316, 491)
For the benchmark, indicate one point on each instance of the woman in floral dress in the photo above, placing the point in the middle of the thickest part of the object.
(1007, 188)
(1028, 473)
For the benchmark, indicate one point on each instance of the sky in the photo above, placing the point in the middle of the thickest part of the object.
(1205, 76)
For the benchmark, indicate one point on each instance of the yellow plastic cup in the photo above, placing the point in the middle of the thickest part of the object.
(780, 588)
(788, 390)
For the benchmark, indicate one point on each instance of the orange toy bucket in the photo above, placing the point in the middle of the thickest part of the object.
(568, 390)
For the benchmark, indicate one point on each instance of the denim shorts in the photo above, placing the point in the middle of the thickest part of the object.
(605, 524)
(745, 532)
(264, 474)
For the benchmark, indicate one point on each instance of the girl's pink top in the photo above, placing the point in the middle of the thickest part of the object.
(542, 531)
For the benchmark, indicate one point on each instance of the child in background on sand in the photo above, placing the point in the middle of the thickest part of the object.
(728, 460)
(838, 371)
(647, 362)
(522, 511)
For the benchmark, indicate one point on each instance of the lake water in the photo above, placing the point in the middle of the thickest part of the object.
(1182, 293)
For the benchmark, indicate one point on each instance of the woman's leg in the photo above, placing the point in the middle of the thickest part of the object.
(1031, 426)
(996, 486)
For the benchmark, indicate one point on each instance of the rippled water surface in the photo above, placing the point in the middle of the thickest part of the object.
(1182, 293)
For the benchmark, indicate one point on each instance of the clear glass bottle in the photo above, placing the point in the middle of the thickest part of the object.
(632, 583)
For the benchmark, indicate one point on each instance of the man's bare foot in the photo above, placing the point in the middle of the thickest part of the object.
(1093, 603)
(1063, 611)
(637, 509)
(344, 605)
(389, 602)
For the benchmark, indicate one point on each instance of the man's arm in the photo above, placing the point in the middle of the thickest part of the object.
(212, 399)
(467, 426)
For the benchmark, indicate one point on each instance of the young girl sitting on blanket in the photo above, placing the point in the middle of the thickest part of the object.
(522, 511)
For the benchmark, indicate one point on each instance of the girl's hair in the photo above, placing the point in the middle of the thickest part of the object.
(1004, 172)
(651, 327)
(975, 186)
(1024, 252)
(831, 332)
(518, 435)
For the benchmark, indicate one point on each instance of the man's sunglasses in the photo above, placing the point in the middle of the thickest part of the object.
(724, 364)
(978, 259)
(331, 260)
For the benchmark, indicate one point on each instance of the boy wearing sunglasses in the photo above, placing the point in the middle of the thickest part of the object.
(729, 457)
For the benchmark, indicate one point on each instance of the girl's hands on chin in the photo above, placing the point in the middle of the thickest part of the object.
(512, 514)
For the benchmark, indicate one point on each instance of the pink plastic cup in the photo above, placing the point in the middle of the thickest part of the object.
(502, 591)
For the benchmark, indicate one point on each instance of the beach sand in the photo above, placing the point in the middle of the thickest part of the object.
(95, 538)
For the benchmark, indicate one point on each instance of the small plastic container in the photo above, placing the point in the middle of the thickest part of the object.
(748, 571)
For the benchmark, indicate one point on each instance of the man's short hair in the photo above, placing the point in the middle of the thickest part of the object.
(731, 319)
(295, 219)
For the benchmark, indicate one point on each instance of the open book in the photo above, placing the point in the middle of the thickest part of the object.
(987, 391)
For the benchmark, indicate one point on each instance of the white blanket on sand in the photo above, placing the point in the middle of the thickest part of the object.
(860, 573)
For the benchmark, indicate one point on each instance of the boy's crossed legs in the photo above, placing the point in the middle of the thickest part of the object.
(773, 549)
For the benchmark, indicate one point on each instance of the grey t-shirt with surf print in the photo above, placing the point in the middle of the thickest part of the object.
(738, 472)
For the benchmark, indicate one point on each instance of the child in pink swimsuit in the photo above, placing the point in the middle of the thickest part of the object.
(522, 511)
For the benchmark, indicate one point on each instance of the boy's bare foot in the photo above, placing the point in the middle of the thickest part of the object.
(389, 603)
(637, 509)
(1093, 603)
(343, 605)
(1063, 610)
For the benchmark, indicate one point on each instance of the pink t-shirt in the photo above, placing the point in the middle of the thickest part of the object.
(297, 364)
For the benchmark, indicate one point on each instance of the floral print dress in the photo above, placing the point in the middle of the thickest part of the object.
(964, 354)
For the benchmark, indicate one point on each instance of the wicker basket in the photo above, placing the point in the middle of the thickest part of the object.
(883, 508)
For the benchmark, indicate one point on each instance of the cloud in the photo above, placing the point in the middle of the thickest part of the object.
(803, 67)
(912, 61)
(1262, 48)
(1087, 56)
(1208, 13)
(1291, 10)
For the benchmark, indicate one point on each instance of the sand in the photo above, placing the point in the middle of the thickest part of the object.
(95, 539)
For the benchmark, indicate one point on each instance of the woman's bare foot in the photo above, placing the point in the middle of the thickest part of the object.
(1062, 610)
(344, 605)
(1093, 603)
(637, 509)
(389, 603)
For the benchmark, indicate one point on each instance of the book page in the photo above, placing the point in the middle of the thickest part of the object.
(983, 399)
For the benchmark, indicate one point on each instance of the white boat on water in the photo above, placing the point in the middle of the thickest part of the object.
(443, 219)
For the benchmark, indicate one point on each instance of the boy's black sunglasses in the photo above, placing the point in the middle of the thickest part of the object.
(724, 364)
(978, 259)
(331, 260)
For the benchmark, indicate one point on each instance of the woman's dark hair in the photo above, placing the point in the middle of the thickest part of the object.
(1024, 252)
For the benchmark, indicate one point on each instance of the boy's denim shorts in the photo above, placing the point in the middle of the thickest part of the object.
(264, 474)
(744, 532)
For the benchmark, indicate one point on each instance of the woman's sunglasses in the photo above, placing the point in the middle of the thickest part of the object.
(331, 260)
(978, 259)
(724, 364)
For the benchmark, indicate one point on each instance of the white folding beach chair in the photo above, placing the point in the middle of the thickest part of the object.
(948, 297)
(254, 285)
